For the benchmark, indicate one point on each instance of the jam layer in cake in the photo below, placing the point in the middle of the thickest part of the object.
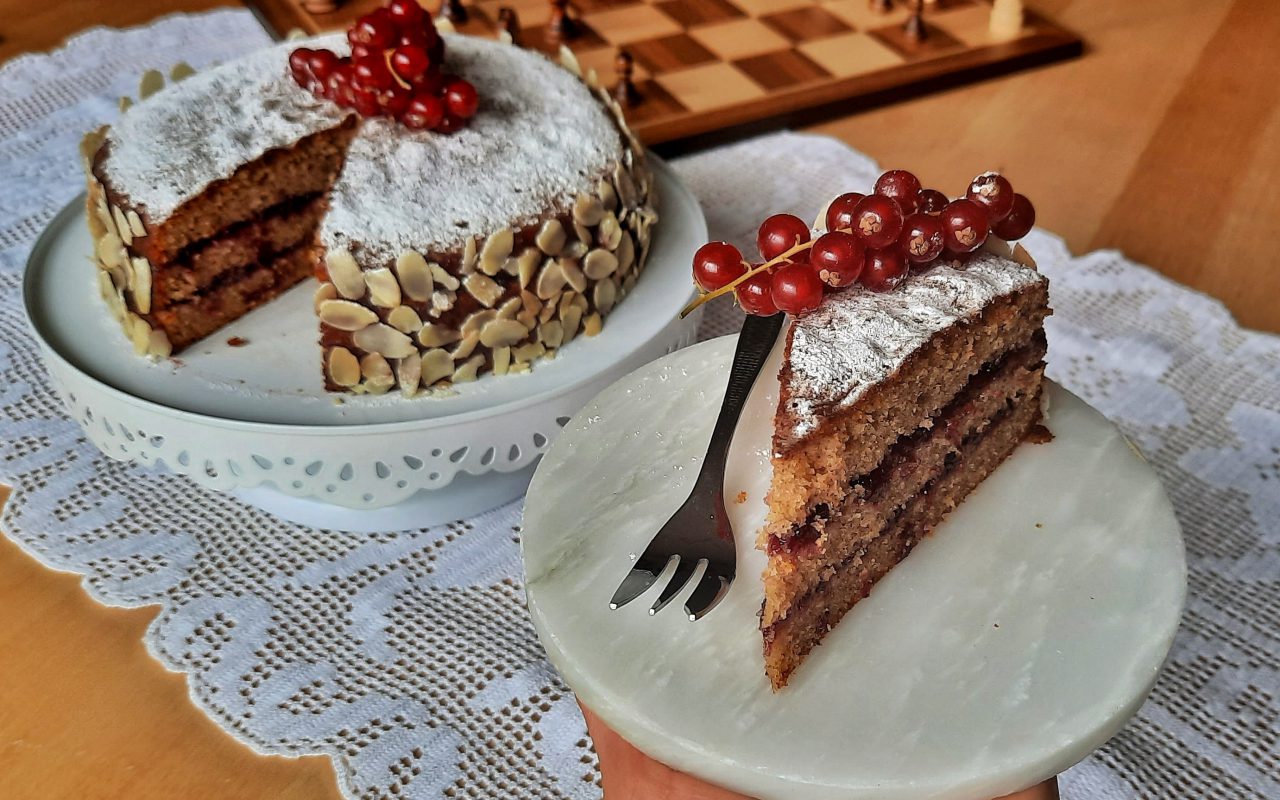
(790, 639)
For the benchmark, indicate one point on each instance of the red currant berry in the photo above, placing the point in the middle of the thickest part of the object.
(371, 72)
(1022, 217)
(840, 212)
(755, 295)
(338, 88)
(461, 99)
(300, 63)
(901, 186)
(394, 101)
(838, 257)
(322, 64)
(780, 233)
(410, 61)
(965, 224)
(406, 13)
(931, 202)
(877, 220)
(424, 112)
(430, 82)
(922, 238)
(365, 101)
(717, 264)
(994, 193)
(376, 30)
(451, 123)
(885, 269)
(796, 288)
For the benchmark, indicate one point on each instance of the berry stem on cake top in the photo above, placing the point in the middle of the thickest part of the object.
(395, 70)
(871, 240)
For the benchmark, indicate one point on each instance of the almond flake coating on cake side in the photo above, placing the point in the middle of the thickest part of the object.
(856, 340)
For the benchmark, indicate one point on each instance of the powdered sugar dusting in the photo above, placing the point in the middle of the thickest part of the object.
(539, 139)
(857, 339)
(170, 147)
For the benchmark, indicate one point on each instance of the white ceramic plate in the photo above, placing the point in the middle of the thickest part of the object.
(1011, 643)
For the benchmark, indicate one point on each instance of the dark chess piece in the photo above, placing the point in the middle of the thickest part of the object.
(561, 27)
(624, 91)
(454, 11)
(915, 29)
(509, 22)
(881, 6)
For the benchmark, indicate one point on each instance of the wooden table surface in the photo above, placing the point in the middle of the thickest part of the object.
(1162, 141)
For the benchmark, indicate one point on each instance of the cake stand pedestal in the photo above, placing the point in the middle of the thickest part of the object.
(254, 420)
(1009, 645)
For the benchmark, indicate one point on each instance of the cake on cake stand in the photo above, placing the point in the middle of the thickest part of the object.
(244, 410)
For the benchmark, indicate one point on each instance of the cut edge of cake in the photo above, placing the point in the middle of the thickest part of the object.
(867, 464)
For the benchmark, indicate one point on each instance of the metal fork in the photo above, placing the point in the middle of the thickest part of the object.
(699, 531)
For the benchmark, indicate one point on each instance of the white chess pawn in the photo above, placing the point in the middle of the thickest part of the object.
(1006, 19)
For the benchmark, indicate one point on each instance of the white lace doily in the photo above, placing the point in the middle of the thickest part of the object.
(407, 657)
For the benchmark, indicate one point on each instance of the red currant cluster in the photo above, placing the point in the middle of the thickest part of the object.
(394, 70)
(873, 240)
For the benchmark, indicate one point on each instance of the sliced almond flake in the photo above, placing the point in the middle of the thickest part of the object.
(325, 291)
(345, 315)
(142, 285)
(496, 250)
(409, 374)
(468, 371)
(444, 278)
(502, 333)
(501, 360)
(384, 340)
(405, 320)
(345, 274)
(415, 276)
(437, 335)
(483, 288)
(384, 289)
(436, 364)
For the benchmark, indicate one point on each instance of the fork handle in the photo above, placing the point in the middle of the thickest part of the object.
(754, 345)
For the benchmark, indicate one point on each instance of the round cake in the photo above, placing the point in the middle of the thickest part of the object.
(439, 256)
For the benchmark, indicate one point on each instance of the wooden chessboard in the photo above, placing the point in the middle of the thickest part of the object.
(709, 68)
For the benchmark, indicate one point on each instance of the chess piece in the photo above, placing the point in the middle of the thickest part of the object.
(454, 11)
(1006, 19)
(509, 23)
(914, 29)
(561, 27)
(319, 6)
(624, 91)
(881, 6)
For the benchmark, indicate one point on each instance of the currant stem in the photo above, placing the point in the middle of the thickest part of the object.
(386, 54)
(749, 274)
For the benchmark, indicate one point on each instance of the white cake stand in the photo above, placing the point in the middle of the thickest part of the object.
(255, 420)
(1009, 645)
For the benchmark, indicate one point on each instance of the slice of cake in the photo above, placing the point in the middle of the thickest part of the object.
(893, 407)
(456, 225)
(911, 368)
